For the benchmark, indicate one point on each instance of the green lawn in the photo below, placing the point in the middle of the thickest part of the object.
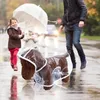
(96, 38)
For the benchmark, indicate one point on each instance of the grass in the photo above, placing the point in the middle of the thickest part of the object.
(95, 38)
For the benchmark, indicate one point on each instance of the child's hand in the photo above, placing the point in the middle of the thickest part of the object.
(20, 36)
(22, 33)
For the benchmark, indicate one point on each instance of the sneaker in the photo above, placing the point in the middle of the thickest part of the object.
(15, 69)
(83, 65)
(73, 70)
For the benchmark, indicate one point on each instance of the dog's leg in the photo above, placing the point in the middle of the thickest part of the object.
(46, 74)
(64, 68)
(65, 73)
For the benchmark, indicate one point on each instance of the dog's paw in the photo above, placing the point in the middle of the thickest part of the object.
(47, 88)
(65, 79)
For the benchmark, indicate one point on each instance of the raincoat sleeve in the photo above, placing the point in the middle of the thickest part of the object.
(11, 34)
(21, 33)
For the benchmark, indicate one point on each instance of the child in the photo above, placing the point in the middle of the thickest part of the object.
(31, 36)
(14, 42)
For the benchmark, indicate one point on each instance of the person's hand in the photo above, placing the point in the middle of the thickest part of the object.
(81, 24)
(60, 28)
(20, 36)
(22, 33)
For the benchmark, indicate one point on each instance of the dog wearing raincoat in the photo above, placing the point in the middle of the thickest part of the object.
(33, 62)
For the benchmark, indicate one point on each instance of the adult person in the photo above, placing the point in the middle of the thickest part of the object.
(73, 21)
(14, 43)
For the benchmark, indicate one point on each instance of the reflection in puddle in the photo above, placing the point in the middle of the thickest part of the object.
(28, 92)
(14, 88)
(76, 83)
(72, 80)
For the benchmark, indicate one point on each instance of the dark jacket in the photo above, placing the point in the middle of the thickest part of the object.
(74, 11)
(14, 40)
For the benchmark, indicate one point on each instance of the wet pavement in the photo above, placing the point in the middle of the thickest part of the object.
(82, 85)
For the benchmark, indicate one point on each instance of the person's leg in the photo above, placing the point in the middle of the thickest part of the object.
(11, 57)
(69, 45)
(15, 57)
(76, 42)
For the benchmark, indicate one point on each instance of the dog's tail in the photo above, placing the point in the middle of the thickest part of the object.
(66, 54)
(62, 55)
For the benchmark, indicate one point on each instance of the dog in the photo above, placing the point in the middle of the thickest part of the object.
(33, 62)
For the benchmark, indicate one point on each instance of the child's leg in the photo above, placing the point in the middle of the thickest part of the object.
(11, 57)
(15, 56)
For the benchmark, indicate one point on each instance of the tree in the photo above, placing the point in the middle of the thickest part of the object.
(3, 17)
(52, 11)
(93, 20)
(13, 4)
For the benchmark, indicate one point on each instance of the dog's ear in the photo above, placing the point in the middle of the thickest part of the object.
(28, 69)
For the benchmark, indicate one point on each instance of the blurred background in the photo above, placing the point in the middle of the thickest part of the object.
(83, 85)
(54, 9)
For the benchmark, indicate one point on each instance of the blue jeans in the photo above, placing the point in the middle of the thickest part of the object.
(73, 38)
